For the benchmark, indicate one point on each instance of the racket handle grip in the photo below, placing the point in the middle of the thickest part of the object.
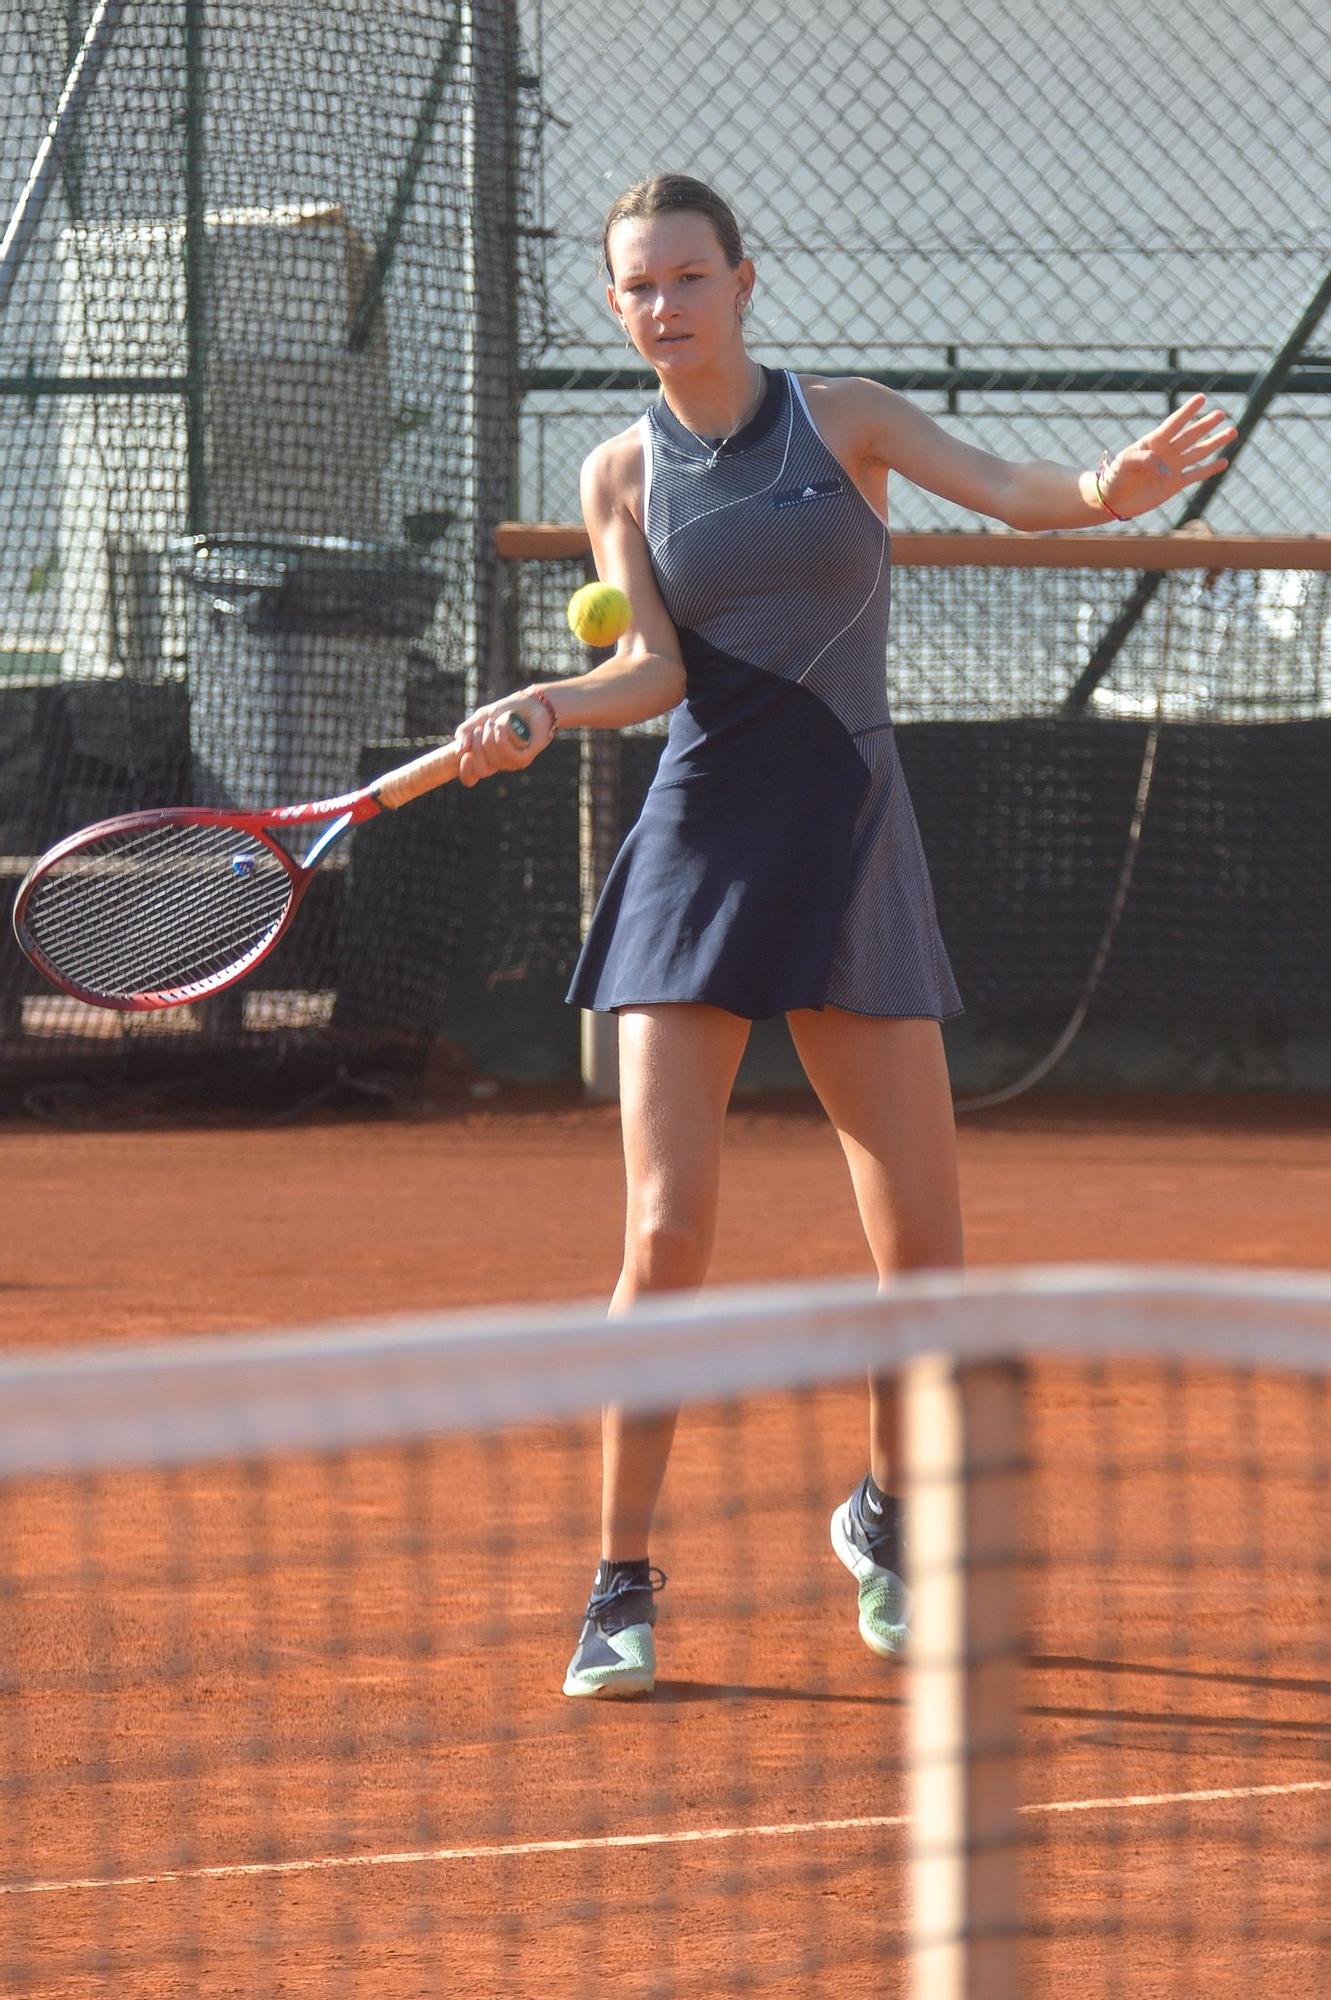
(436, 767)
(410, 781)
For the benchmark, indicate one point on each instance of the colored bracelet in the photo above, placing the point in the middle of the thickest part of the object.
(1101, 474)
(539, 694)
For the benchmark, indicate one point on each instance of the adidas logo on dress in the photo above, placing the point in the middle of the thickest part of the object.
(817, 489)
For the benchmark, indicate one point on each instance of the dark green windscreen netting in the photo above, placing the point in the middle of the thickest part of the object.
(310, 303)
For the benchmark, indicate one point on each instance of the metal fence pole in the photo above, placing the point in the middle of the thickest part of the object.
(51, 153)
(196, 271)
(495, 203)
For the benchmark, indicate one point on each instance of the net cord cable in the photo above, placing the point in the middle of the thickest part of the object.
(187, 1401)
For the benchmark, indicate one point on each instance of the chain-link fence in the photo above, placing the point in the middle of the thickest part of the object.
(259, 324)
(312, 300)
(1043, 225)
(1039, 222)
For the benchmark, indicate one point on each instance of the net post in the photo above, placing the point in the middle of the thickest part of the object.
(963, 1451)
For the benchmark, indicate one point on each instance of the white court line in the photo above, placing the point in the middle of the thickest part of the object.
(230, 1871)
(1181, 1798)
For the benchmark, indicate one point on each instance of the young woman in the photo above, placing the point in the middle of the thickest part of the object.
(776, 866)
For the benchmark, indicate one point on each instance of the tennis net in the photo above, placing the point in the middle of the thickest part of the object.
(283, 1624)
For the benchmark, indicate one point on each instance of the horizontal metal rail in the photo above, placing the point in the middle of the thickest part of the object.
(1310, 380)
(550, 541)
(1315, 381)
(34, 388)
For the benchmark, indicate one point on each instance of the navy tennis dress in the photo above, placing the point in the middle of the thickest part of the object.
(776, 862)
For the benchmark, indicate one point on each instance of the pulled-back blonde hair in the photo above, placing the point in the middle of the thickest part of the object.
(673, 194)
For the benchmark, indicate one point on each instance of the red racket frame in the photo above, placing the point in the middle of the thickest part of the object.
(385, 794)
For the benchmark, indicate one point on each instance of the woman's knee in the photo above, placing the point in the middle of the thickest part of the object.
(667, 1248)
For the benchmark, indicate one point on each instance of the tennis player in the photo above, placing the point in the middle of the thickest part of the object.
(776, 867)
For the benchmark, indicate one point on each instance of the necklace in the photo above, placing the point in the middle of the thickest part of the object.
(715, 450)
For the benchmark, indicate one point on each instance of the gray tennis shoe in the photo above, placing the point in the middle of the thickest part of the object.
(872, 1552)
(616, 1650)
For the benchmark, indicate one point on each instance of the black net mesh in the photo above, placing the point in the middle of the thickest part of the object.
(1026, 806)
(280, 1675)
(310, 301)
(246, 379)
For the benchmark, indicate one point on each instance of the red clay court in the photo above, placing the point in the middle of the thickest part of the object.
(303, 343)
(405, 1818)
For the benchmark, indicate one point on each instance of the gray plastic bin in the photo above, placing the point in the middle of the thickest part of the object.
(299, 651)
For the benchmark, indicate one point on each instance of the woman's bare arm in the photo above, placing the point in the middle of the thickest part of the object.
(643, 678)
(645, 675)
(870, 427)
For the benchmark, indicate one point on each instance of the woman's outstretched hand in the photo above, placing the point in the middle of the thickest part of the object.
(1180, 452)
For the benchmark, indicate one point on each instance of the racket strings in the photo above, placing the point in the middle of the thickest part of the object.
(155, 909)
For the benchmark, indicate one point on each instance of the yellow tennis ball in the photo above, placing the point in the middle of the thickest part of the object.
(599, 614)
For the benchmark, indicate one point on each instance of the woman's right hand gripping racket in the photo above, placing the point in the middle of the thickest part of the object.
(157, 909)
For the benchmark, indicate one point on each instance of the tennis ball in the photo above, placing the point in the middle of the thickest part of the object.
(599, 614)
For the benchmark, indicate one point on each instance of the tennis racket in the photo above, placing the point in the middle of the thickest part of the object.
(157, 909)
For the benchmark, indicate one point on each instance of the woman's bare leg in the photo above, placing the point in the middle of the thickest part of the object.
(677, 1068)
(884, 1085)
